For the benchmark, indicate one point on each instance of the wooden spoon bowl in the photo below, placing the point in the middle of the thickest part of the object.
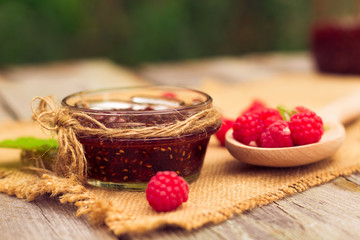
(290, 156)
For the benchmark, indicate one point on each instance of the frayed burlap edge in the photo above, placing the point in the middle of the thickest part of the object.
(29, 186)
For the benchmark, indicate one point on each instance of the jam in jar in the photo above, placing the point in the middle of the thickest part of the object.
(335, 36)
(336, 47)
(128, 162)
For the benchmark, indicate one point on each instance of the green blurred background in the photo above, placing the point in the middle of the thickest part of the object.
(137, 31)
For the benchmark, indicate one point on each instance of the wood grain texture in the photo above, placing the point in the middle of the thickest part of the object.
(23, 83)
(4, 116)
(251, 67)
(6, 113)
(44, 219)
(330, 211)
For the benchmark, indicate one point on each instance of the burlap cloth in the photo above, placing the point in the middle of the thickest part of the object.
(225, 187)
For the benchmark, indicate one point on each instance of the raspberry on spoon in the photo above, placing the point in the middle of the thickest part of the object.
(248, 129)
(306, 127)
(255, 105)
(268, 115)
(277, 135)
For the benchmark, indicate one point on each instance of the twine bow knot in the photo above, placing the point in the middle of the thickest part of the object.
(70, 161)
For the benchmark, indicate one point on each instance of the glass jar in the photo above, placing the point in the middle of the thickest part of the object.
(128, 162)
(335, 36)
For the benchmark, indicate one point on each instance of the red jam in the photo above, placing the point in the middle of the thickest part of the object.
(336, 47)
(129, 163)
(132, 161)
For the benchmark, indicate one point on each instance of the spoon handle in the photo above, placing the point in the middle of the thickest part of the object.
(342, 110)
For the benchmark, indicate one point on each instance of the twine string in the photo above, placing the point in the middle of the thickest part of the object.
(71, 161)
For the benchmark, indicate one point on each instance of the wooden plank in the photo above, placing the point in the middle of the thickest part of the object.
(4, 115)
(251, 67)
(355, 178)
(44, 219)
(22, 84)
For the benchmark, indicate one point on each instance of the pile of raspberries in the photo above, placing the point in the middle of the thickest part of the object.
(262, 126)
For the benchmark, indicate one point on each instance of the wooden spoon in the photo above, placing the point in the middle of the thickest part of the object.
(334, 115)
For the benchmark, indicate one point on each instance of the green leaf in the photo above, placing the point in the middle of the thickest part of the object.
(29, 143)
(285, 112)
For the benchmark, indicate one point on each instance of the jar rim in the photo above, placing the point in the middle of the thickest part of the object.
(207, 102)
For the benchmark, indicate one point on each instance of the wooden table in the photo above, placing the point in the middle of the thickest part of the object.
(329, 211)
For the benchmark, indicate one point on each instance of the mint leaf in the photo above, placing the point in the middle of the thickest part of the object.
(285, 112)
(29, 143)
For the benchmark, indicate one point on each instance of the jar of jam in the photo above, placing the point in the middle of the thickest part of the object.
(129, 161)
(335, 36)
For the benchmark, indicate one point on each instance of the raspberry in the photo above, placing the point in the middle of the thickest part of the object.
(269, 115)
(248, 128)
(306, 128)
(255, 105)
(225, 126)
(277, 135)
(301, 109)
(270, 120)
(166, 191)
